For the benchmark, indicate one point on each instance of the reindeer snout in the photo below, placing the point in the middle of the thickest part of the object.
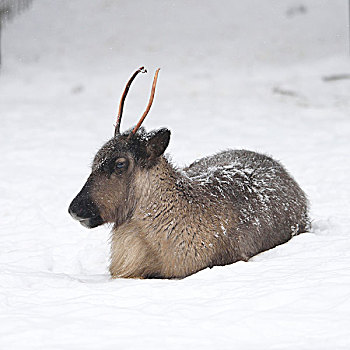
(81, 208)
(85, 211)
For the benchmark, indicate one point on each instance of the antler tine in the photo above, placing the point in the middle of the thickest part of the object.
(122, 100)
(149, 103)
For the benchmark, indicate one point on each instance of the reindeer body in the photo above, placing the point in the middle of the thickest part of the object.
(219, 210)
(171, 223)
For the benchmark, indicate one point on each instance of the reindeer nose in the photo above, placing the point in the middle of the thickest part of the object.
(72, 212)
(85, 211)
(82, 207)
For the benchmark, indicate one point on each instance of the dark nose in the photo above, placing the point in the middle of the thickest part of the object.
(86, 212)
(73, 211)
(82, 207)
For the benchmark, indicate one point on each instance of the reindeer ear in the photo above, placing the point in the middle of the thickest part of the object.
(157, 143)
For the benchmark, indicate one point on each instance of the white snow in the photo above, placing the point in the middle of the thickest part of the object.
(244, 74)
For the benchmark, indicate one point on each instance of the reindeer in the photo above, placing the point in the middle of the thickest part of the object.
(170, 222)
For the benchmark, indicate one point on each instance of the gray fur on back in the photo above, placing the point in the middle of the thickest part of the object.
(271, 206)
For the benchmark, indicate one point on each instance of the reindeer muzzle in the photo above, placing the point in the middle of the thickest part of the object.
(85, 211)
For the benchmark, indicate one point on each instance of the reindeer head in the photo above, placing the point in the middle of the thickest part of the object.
(108, 195)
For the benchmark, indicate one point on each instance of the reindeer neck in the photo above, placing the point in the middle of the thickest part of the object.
(164, 190)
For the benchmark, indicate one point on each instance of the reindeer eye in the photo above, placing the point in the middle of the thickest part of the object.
(120, 163)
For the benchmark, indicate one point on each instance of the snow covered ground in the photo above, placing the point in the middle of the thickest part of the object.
(235, 74)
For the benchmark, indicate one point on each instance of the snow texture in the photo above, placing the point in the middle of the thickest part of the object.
(267, 76)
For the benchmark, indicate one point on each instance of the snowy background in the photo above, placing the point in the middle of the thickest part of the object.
(234, 74)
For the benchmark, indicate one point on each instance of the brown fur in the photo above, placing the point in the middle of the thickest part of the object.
(171, 223)
(173, 233)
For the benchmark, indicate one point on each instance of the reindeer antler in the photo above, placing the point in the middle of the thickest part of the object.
(122, 100)
(149, 104)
